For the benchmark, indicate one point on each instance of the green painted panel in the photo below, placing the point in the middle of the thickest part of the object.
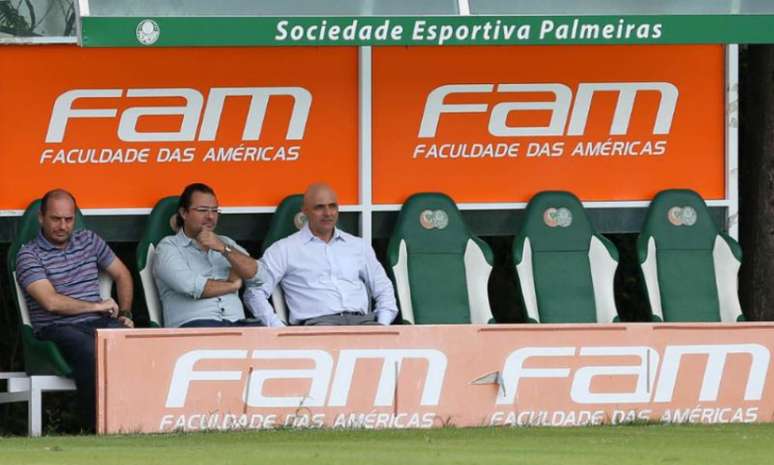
(425, 30)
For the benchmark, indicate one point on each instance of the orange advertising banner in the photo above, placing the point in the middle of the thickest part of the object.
(499, 124)
(161, 380)
(122, 128)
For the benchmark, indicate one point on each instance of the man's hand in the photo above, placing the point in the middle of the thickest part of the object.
(210, 241)
(108, 306)
(126, 322)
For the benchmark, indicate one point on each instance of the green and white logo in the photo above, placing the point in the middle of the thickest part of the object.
(682, 216)
(148, 32)
(689, 216)
(564, 217)
(434, 219)
(554, 217)
(299, 220)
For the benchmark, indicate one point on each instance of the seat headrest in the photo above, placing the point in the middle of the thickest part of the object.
(556, 221)
(160, 223)
(431, 223)
(286, 220)
(678, 219)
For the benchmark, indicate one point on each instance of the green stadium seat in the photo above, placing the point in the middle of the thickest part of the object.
(441, 270)
(159, 225)
(45, 367)
(565, 268)
(286, 220)
(689, 266)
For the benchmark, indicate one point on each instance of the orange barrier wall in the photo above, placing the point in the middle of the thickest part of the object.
(430, 376)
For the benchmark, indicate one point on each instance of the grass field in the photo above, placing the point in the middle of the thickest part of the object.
(637, 444)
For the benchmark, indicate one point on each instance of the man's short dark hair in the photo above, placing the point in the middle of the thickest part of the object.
(185, 198)
(55, 194)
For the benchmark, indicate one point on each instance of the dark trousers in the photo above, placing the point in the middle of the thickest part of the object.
(342, 319)
(76, 342)
(220, 323)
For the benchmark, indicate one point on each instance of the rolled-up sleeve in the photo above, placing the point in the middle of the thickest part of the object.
(170, 268)
(380, 286)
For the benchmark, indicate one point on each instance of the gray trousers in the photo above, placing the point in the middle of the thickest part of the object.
(342, 319)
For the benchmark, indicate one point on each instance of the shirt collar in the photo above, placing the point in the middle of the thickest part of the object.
(182, 239)
(306, 234)
(44, 244)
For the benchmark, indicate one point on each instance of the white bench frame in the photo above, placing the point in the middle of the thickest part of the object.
(25, 388)
(30, 388)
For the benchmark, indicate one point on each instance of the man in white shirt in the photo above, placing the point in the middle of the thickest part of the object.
(328, 276)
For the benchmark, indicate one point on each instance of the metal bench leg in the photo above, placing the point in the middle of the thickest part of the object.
(34, 408)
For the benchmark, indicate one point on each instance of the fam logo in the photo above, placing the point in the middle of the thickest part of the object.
(569, 113)
(331, 374)
(656, 374)
(200, 119)
(330, 382)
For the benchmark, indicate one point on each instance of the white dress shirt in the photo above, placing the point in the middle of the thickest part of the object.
(320, 278)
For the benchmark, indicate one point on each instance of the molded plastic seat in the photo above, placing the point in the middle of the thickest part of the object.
(157, 227)
(441, 270)
(286, 220)
(565, 268)
(689, 266)
(43, 361)
(40, 357)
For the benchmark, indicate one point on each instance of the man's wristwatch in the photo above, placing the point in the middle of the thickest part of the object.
(226, 250)
(125, 313)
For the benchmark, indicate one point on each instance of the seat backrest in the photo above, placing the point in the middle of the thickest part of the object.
(441, 270)
(158, 225)
(565, 268)
(286, 220)
(40, 357)
(689, 266)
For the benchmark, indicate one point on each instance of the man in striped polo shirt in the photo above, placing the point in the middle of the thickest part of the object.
(59, 273)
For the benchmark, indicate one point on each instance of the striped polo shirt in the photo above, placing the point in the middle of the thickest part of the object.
(73, 271)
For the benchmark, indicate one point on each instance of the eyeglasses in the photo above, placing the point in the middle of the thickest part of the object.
(205, 210)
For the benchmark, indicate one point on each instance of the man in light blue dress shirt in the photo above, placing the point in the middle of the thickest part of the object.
(198, 273)
(328, 276)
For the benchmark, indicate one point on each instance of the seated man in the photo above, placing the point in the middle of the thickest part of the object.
(198, 274)
(325, 273)
(59, 274)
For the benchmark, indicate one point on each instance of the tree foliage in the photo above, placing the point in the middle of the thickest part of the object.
(23, 20)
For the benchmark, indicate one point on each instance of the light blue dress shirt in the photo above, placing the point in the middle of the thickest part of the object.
(320, 278)
(181, 270)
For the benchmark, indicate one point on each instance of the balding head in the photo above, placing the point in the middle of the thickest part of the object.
(315, 190)
(57, 217)
(55, 194)
(321, 208)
